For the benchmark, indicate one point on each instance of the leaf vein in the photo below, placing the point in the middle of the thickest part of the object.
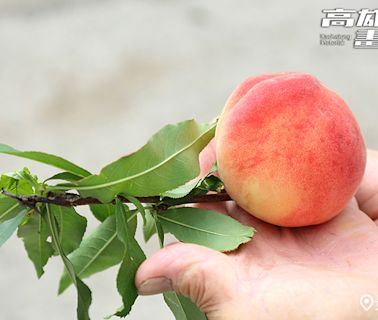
(111, 183)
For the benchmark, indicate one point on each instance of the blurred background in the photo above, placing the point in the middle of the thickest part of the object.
(92, 80)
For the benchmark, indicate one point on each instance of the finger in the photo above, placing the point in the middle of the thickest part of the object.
(265, 231)
(220, 207)
(367, 194)
(248, 219)
(191, 270)
(351, 219)
(207, 158)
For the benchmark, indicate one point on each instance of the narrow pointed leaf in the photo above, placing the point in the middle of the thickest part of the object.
(102, 211)
(134, 256)
(205, 227)
(9, 208)
(121, 224)
(98, 251)
(182, 307)
(149, 228)
(180, 191)
(84, 295)
(84, 300)
(21, 182)
(168, 160)
(34, 234)
(200, 186)
(71, 227)
(46, 158)
(160, 232)
(8, 227)
(67, 176)
(16, 184)
(138, 205)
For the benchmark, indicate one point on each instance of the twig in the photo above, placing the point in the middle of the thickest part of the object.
(72, 200)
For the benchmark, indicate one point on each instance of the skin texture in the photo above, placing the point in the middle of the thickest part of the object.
(316, 272)
(289, 150)
(206, 159)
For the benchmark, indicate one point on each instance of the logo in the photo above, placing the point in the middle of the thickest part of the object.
(363, 23)
(366, 301)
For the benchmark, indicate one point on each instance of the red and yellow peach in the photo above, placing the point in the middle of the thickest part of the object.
(289, 150)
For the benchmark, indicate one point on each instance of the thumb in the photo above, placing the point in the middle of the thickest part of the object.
(205, 276)
(367, 193)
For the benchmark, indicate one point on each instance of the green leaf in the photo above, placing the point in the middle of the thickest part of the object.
(15, 182)
(34, 234)
(102, 211)
(132, 220)
(67, 176)
(98, 251)
(22, 182)
(201, 186)
(214, 167)
(71, 227)
(182, 307)
(160, 232)
(168, 160)
(9, 208)
(205, 227)
(134, 256)
(180, 191)
(121, 223)
(212, 183)
(46, 158)
(138, 205)
(8, 227)
(149, 228)
(84, 295)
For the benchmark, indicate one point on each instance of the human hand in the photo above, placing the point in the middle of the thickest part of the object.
(316, 272)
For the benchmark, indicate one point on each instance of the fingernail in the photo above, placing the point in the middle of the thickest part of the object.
(154, 286)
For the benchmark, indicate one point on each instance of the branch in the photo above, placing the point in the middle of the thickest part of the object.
(72, 200)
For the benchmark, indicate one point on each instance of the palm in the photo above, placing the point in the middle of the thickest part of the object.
(315, 272)
(322, 266)
(347, 242)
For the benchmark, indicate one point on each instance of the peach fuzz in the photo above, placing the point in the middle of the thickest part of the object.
(208, 154)
(289, 150)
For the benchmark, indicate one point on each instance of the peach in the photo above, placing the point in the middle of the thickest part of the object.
(289, 150)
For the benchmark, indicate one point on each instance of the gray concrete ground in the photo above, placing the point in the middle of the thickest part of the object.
(92, 80)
